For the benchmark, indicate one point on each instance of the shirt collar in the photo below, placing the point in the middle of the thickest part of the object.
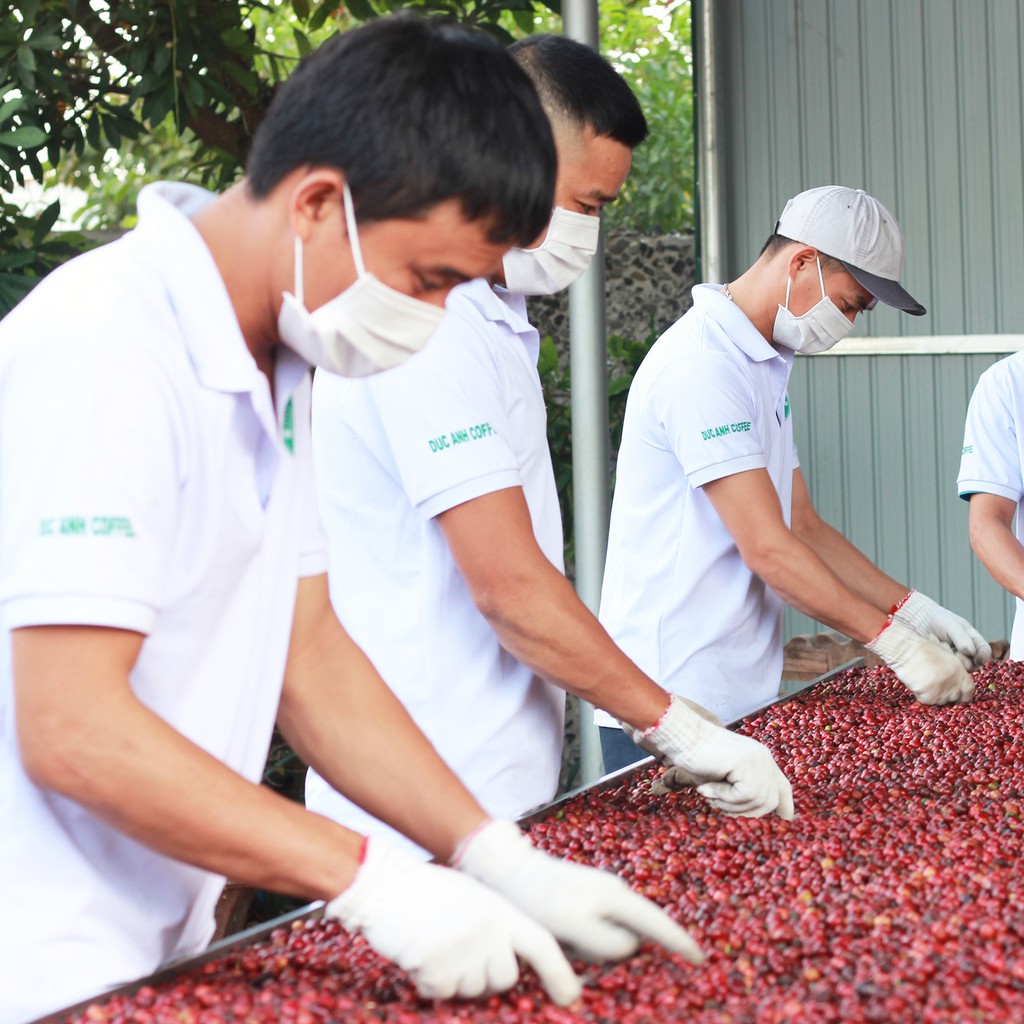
(740, 331)
(498, 305)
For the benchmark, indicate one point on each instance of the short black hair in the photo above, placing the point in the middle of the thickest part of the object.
(414, 112)
(576, 83)
(776, 243)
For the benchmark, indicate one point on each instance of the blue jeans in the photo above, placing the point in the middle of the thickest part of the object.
(618, 749)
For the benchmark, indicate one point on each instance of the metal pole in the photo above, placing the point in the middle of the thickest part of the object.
(590, 455)
(712, 242)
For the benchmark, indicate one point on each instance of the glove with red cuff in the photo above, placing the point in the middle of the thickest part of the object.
(930, 670)
(932, 621)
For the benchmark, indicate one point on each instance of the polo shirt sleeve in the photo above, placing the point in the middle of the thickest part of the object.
(990, 461)
(704, 408)
(444, 417)
(89, 471)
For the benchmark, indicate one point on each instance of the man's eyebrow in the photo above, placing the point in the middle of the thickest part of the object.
(600, 196)
(443, 271)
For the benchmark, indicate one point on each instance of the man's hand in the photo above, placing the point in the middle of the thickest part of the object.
(932, 621)
(929, 669)
(452, 935)
(734, 773)
(594, 913)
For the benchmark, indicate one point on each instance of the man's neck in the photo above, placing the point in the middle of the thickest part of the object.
(239, 232)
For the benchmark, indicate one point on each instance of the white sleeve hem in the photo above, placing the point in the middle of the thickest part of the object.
(312, 563)
(730, 467)
(78, 610)
(966, 488)
(468, 490)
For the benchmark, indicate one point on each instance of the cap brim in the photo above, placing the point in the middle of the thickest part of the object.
(889, 292)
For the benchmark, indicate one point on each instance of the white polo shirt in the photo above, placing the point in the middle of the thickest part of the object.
(993, 452)
(463, 418)
(709, 400)
(146, 483)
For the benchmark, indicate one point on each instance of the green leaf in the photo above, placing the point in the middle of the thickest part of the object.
(46, 221)
(92, 132)
(302, 42)
(236, 39)
(218, 92)
(301, 9)
(8, 107)
(547, 360)
(21, 258)
(618, 385)
(27, 137)
(194, 89)
(361, 10)
(243, 76)
(13, 288)
(322, 13)
(162, 58)
(112, 131)
(157, 105)
(45, 42)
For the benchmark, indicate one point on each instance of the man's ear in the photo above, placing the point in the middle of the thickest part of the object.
(316, 197)
(800, 258)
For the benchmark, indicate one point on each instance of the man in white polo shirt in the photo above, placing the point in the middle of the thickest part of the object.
(162, 570)
(992, 479)
(444, 534)
(712, 528)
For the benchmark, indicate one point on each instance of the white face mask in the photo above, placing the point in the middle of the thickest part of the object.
(369, 327)
(821, 327)
(560, 259)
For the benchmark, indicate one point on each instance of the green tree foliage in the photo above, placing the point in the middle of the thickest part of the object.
(90, 90)
(653, 52)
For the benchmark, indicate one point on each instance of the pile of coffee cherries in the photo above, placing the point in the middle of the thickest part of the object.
(895, 895)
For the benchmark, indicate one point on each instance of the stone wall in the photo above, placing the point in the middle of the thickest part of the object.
(647, 287)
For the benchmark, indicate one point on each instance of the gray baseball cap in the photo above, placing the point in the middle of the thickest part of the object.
(857, 230)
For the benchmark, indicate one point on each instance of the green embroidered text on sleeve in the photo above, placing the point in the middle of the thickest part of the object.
(725, 428)
(86, 526)
(457, 437)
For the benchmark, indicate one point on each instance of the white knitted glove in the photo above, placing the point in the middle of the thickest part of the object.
(735, 773)
(452, 935)
(592, 912)
(934, 622)
(929, 669)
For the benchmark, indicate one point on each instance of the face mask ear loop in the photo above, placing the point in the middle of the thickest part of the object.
(298, 270)
(353, 233)
(789, 284)
(821, 280)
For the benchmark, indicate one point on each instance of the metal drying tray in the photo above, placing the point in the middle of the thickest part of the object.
(313, 911)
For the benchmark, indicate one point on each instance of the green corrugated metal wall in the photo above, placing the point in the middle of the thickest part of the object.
(921, 102)
(879, 440)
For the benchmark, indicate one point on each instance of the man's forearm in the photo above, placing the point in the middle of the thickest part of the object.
(853, 567)
(541, 621)
(797, 574)
(535, 613)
